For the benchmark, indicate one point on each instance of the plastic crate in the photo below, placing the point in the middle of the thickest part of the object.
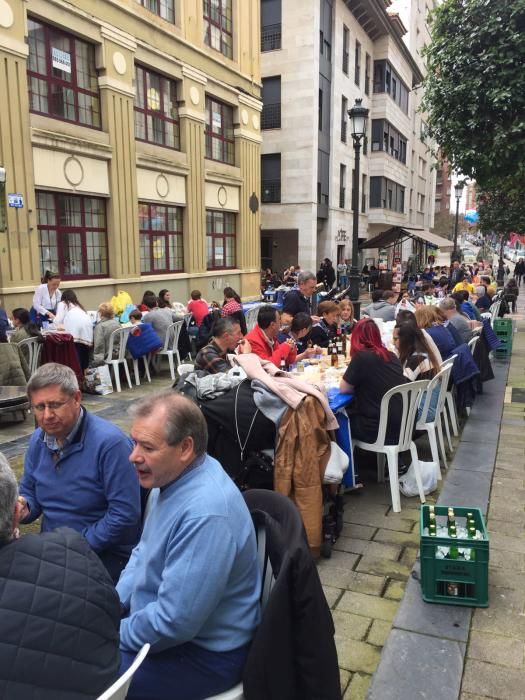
(468, 578)
(505, 349)
(503, 326)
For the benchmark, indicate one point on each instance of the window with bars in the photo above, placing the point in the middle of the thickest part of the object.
(271, 178)
(271, 97)
(344, 112)
(220, 239)
(346, 49)
(161, 244)
(367, 74)
(218, 28)
(156, 110)
(342, 186)
(62, 77)
(220, 142)
(162, 8)
(357, 75)
(72, 235)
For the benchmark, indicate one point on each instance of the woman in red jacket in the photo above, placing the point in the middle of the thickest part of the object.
(263, 338)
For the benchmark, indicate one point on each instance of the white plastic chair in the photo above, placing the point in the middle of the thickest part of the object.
(451, 405)
(119, 335)
(251, 316)
(472, 343)
(170, 348)
(34, 348)
(410, 394)
(146, 359)
(120, 687)
(437, 383)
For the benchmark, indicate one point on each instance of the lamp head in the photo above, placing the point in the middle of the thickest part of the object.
(359, 119)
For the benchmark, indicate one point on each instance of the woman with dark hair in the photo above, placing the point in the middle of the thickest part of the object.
(164, 300)
(372, 371)
(73, 318)
(24, 327)
(149, 301)
(298, 332)
(416, 357)
(231, 303)
(46, 298)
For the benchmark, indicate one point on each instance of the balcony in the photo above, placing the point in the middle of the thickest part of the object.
(271, 116)
(271, 37)
(271, 191)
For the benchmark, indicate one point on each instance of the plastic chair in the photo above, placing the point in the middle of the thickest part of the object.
(170, 348)
(146, 359)
(120, 687)
(439, 382)
(410, 394)
(472, 343)
(450, 404)
(251, 316)
(119, 335)
(34, 348)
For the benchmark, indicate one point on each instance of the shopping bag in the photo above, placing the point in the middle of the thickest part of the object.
(97, 380)
(408, 484)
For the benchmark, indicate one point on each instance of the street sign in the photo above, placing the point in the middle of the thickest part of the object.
(15, 200)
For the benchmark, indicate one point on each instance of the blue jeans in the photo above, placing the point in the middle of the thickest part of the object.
(185, 672)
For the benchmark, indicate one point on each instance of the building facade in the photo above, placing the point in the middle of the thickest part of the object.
(318, 57)
(443, 187)
(130, 143)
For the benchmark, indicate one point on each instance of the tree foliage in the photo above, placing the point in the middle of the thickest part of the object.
(475, 87)
(501, 209)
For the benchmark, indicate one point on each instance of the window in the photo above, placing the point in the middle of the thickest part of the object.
(320, 110)
(62, 76)
(420, 202)
(156, 112)
(422, 167)
(387, 80)
(220, 239)
(271, 25)
(386, 194)
(325, 48)
(271, 178)
(220, 144)
(162, 8)
(367, 74)
(218, 32)
(344, 112)
(342, 185)
(271, 97)
(346, 49)
(388, 139)
(357, 76)
(160, 229)
(72, 235)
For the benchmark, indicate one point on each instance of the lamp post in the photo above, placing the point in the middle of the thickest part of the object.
(458, 191)
(358, 121)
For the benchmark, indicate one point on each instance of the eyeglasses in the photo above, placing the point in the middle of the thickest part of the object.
(50, 405)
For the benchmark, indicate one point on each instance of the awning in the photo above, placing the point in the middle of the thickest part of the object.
(396, 234)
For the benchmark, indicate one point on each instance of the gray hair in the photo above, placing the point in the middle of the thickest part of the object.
(305, 275)
(183, 418)
(448, 304)
(8, 496)
(50, 374)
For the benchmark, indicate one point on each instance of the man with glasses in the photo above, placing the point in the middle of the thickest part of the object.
(77, 472)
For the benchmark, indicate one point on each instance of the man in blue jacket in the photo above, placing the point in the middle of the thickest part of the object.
(191, 587)
(77, 472)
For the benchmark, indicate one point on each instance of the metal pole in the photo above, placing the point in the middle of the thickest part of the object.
(455, 251)
(355, 277)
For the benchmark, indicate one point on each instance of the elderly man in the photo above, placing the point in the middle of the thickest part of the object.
(77, 471)
(191, 587)
(59, 612)
(298, 300)
(263, 338)
(227, 337)
(449, 308)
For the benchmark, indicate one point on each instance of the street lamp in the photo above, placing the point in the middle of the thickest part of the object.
(358, 119)
(458, 191)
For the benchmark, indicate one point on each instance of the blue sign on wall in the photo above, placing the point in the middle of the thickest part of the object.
(15, 200)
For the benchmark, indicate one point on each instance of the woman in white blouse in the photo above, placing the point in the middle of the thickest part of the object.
(46, 298)
(73, 318)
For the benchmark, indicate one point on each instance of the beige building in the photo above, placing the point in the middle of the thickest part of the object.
(129, 147)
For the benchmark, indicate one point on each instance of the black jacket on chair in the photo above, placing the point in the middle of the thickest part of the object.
(59, 619)
(293, 654)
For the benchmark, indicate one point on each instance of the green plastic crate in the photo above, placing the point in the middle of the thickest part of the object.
(505, 348)
(502, 325)
(468, 578)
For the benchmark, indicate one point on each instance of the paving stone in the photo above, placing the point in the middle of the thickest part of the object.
(480, 430)
(444, 621)
(362, 532)
(500, 510)
(389, 522)
(403, 539)
(358, 688)
(357, 656)
(383, 567)
(342, 559)
(502, 578)
(395, 590)
(506, 624)
(470, 696)
(378, 632)
(499, 540)
(495, 649)
(409, 557)
(351, 580)
(350, 626)
(351, 544)
(495, 681)
(368, 606)
(475, 456)
(465, 488)
(511, 561)
(415, 666)
(332, 595)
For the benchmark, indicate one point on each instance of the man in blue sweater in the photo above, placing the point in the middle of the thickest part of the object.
(191, 587)
(77, 472)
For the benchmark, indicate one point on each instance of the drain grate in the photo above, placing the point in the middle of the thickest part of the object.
(518, 396)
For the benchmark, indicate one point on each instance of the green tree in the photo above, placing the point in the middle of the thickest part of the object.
(501, 209)
(475, 87)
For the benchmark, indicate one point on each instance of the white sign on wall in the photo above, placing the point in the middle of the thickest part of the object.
(61, 60)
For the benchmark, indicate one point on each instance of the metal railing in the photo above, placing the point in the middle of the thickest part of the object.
(271, 191)
(271, 116)
(271, 37)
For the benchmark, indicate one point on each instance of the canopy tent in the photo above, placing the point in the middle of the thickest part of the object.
(396, 234)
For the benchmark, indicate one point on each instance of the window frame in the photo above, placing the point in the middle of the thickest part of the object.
(221, 236)
(62, 230)
(206, 7)
(346, 49)
(344, 123)
(50, 80)
(157, 11)
(156, 114)
(357, 69)
(211, 135)
(164, 233)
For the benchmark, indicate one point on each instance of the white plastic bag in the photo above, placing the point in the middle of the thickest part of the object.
(408, 484)
(337, 465)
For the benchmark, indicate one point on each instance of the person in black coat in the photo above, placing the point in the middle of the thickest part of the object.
(59, 612)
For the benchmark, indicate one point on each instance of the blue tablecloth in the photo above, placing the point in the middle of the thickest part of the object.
(338, 402)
